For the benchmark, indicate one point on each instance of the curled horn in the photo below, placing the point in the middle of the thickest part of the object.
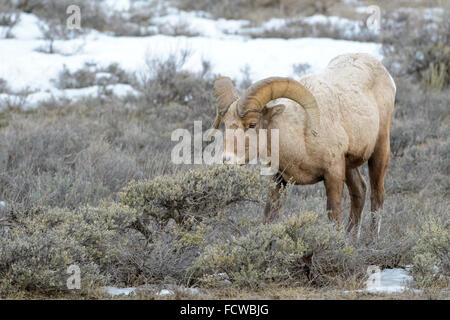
(263, 91)
(226, 94)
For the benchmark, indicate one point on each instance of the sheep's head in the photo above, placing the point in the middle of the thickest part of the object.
(250, 112)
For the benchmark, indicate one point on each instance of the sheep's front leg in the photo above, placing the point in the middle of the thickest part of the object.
(334, 184)
(273, 206)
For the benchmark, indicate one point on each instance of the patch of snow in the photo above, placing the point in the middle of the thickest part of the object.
(228, 56)
(122, 90)
(27, 28)
(391, 281)
(119, 291)
(200, 25)
(69, 47)
(117, 5)
(387, 281)
(34, 99)
(172, 289)
(102, 75)
(165, 292)
(349, 27)
(27, 68)
(274, 23)
(364, 10)
(2, 203)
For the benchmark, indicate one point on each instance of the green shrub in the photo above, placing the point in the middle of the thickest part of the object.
(419, 48)
(167, 82)
(301, 249)
(436, 77)
(190, 197)
(258, 9)
(38, 246)
(3, 86)
(9, 17)
(431, 262)
(87, 76)
(180, 214)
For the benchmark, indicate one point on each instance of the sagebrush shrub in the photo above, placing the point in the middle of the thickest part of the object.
(38, 262)
(431, 261)
(3, 86)
(245, 9)
(166, 82)
(9, 17)
(301, 249)
(39, 245)
(91, 74)
(190, 197)
(410, 50)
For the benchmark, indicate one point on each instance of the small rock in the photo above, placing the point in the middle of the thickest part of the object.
(223, 283)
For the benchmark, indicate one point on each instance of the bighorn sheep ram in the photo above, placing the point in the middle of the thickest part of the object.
(333, 122)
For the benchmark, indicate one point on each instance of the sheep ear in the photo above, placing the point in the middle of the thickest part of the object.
(270, 112)
(226, 93)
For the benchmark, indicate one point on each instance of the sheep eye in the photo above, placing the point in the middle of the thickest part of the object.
(252, 125)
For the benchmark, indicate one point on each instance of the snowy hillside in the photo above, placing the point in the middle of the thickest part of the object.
(221, 42)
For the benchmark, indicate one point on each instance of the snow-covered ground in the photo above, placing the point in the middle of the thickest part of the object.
(389, 281)
(386, 281)
(218, 41)
(26, 67)
(114, 291)
(119, 291)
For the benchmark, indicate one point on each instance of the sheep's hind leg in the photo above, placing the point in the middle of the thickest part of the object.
(273, 206)
(378, 164)
(357, 190)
